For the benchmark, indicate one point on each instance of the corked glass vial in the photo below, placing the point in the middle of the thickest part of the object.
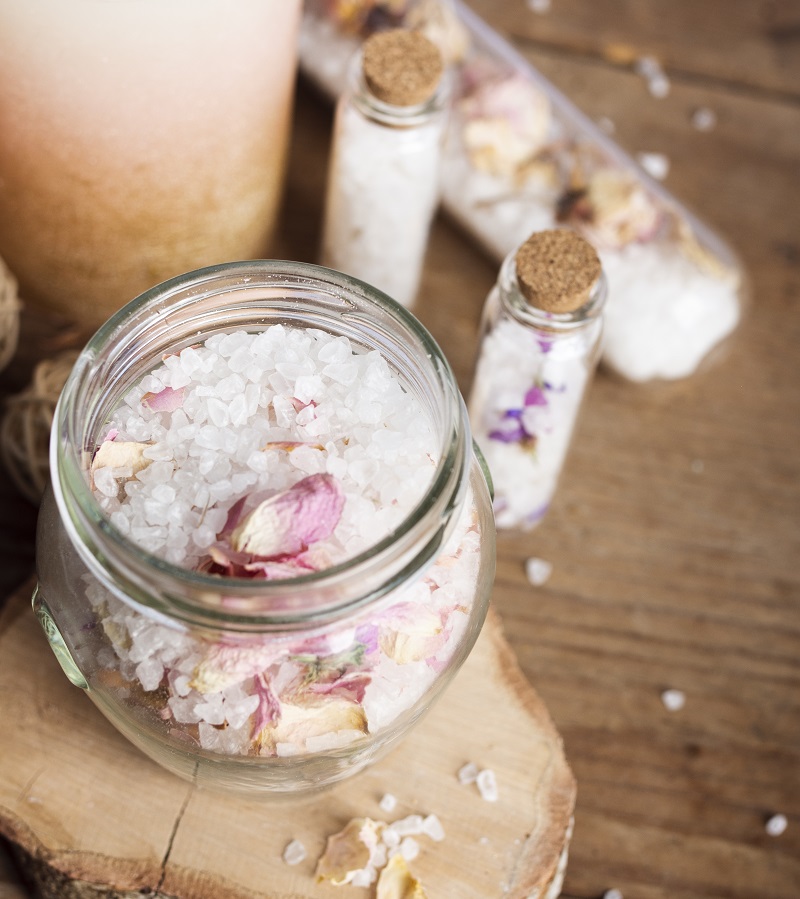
(540, 341)
(383, 179)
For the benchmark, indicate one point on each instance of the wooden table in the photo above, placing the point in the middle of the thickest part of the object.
(675, 536)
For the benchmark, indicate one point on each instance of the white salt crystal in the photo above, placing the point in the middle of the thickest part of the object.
(539, 6)
(408, 827)
(776, 825)
(105, 482)
(613, 894)
(388, 803)
(409, 849)
(606, 124)
(432, 827)
(659, 86)
(150, 671)
(647, 66)
(655, 164)
(364, 877)
(487, 785)
(294, 853)
(674, 700)
(704, 119)
(390, 837)
(468, 773)
(538, 571)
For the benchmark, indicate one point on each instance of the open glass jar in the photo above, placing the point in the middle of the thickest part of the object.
(305, 666)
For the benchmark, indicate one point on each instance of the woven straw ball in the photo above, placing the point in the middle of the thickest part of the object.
(25, 430)
(9, 315)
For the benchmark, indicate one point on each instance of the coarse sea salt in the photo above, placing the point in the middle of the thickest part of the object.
(674, 700)
(776, 825)
(311, 482)
(294, 853)
(538, 571)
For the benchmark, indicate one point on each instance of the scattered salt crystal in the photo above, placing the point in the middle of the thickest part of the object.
(674, 700)
(410, 826)
(655, 164)
(538, 571)
(539, 6)
(432, 827)
(776, 825)
(388, 803)
(487, 785)
(612, 894)
(704, 119)
(390, 837)
(409, 849)
(607, 124)
(294, 853)
(650, 69)
(659, 86)
(468, 773)
(363, 878)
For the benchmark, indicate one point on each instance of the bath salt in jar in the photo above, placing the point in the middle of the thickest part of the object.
(268, 546)
(541, 330)
(383, 179)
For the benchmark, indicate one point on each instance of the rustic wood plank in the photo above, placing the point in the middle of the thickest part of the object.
(676, 529)
(86, 808)
(748, 43)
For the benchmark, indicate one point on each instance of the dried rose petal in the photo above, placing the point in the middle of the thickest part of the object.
(289, 445)
(312, 716)
(121, 454)
(397, 882)
(349, 851)
(286, 523)
(411, 634)
(269, 708)
(166, 400)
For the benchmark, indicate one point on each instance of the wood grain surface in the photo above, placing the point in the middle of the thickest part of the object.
(675, 535)
(64, 809)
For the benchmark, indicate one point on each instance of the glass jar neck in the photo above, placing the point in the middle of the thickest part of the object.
(515, 304)
(359, 94)
(251, 296)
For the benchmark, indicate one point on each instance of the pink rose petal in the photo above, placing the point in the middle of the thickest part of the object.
(286, 523)
(166, 400)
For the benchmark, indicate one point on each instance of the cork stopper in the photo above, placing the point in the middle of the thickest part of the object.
(556, 270)
(402, 68)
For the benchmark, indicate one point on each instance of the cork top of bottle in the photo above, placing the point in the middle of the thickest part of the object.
(557, 270)
(402, 68)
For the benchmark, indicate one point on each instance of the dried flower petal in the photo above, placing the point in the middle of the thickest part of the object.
(411, 633)
(613, 209)
(289, 445)
(397, 882)
(302, 720)
(166, 400)
(286, 523)
(349, 851)
(121, 454)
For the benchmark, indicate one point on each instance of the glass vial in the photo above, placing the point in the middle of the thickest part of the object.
(540, 342)
(383, 181)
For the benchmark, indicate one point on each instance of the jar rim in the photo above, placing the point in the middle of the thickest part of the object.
(208, 598)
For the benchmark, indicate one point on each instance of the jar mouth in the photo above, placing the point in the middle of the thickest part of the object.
(518, 306)
(251, 296)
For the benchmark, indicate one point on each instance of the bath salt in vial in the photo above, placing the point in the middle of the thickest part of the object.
(383, 180)
(269, 545)
(541, 332)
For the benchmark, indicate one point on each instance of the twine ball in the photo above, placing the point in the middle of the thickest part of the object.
(25, 431)
(9, 315)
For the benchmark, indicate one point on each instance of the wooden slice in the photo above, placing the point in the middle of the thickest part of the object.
(88, 815)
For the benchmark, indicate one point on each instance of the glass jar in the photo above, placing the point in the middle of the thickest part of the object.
(531, 376)
(150, 132)
(282, 684)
